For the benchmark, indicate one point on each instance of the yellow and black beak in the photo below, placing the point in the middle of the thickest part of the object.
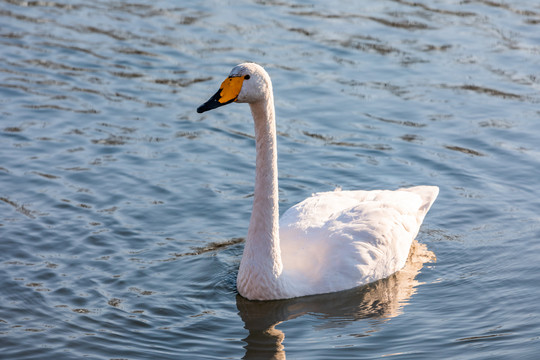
(227, 93)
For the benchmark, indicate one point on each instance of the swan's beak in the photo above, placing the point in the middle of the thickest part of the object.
(227, 93)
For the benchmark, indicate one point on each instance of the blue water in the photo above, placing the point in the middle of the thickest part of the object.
(123, 211)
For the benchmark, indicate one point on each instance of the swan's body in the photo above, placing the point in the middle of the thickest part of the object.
(329, 242)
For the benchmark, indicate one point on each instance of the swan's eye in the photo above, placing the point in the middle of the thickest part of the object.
(246, 77)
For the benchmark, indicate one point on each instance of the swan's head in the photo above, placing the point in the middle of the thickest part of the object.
(247, 83)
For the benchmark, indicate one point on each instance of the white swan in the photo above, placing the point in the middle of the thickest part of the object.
(329, 242)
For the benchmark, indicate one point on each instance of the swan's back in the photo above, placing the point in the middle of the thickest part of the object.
(337, 240)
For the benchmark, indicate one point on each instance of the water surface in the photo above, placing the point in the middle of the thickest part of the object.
(123, 211)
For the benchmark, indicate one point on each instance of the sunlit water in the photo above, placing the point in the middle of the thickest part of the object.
(123, 211)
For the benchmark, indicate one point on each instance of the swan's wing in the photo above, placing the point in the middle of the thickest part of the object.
(338, 240)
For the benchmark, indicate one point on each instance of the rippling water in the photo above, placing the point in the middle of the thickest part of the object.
(123, 211)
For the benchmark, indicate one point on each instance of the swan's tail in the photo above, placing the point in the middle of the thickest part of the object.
(428, 195)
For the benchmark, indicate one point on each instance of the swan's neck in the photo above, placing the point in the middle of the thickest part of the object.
(264, 224)
(261, 264)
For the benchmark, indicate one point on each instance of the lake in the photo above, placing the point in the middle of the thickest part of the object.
(123, 212)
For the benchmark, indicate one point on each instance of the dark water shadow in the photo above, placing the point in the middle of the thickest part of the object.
(382, 300)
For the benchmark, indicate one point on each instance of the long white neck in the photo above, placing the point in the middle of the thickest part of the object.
(261, 264)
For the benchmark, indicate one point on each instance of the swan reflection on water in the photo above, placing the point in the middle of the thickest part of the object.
(383, 299)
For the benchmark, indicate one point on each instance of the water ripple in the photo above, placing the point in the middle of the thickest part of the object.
(123, 211)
